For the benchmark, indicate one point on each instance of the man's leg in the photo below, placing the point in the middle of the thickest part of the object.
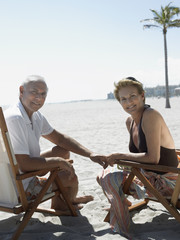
(56, 152)
(70, 185)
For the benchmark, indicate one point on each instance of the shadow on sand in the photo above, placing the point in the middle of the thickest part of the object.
(42, 226)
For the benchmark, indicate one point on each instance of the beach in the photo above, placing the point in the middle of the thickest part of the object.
(100, 126)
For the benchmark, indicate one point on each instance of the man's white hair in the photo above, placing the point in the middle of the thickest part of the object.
(33, 79)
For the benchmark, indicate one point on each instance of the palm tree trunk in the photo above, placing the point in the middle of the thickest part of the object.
(166, 70)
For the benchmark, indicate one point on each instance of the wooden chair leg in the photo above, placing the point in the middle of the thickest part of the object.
(126, 190)
(127, 183)
(139, 205)
(29, 212)
(175, 195)
(172, 210)
(131, 208)
(22, 225)
(107, 218)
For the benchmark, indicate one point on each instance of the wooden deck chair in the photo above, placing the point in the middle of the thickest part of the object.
(12, 194)
(171, 204)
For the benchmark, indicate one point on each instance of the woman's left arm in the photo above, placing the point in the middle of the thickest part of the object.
(152, 123)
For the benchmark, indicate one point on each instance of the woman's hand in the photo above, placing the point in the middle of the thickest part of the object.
(113, 158)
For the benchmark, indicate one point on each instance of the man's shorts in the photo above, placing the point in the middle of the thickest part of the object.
(35, 186)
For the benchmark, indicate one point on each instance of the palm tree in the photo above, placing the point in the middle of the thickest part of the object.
(164, 20)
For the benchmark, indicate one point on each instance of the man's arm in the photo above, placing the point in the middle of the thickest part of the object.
(28, 164)
(72, 145)
(68, 143)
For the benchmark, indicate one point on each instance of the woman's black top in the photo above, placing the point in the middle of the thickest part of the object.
(168, 156)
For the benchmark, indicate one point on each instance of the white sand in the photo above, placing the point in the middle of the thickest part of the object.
(152, 222)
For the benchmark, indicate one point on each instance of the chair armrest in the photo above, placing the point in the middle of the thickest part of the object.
(152, 167)
(36, 173)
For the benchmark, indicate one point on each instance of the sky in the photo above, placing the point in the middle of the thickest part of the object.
(81, 47)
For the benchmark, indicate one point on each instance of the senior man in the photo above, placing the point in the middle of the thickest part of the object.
(26, 125)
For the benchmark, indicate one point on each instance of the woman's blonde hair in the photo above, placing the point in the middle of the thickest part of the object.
(129, 81)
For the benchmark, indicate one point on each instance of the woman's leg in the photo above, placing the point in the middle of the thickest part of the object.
(111, 182)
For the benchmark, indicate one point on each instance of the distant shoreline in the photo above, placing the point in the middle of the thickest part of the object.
(103, 99)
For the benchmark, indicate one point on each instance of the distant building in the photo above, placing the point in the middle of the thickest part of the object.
(177, 91)
(158, 91)
(110, 96)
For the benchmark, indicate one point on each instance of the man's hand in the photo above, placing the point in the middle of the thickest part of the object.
(101, 159)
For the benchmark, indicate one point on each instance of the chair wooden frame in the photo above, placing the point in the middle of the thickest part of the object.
(29, 207)
(172, 205)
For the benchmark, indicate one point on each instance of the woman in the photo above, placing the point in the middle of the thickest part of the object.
(150, 142)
